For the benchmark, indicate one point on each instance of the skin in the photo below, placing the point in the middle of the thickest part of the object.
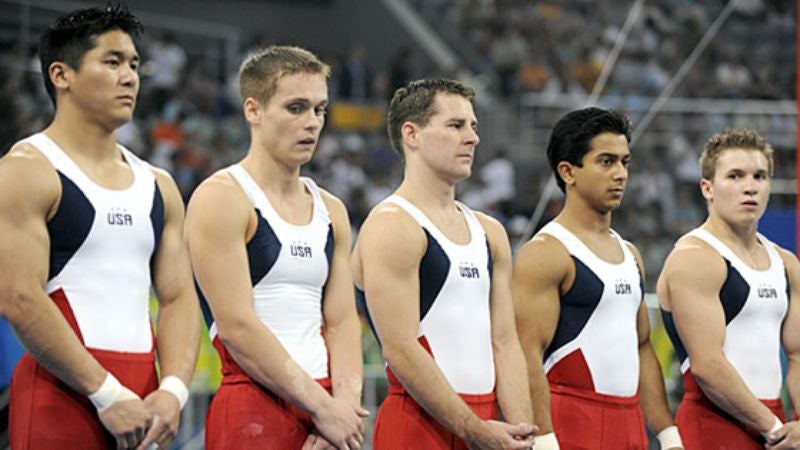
(694, 272)
(437, 156)
(220, 222)
(92, 102)
(544, 271)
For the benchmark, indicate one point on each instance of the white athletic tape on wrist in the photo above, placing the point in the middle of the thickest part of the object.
(768, 435)
(546, 442)
(175, 386)
(110, 392)
(669, 438)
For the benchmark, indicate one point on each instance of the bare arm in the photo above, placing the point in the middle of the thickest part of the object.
(541, 267)
(513, 393)
(652, 396)
(29, 193)
(342, 326)
(218, 221)
(691, 279)
(178, 327)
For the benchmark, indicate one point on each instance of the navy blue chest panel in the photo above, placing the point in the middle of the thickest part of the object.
(70, 225)
(265, 247)
(733, 296)
(72, 222)
(577, 306)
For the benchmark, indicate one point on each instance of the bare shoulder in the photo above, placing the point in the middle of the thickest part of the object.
(26, 173)
(495, 231)
(220, 198)
(543, 256)
(693, 260)
(336, 207)
(790, 262)
(390, 230)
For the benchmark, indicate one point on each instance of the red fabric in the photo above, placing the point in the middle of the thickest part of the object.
(572, 370)
(245, 415)
(586, 420)
(704, 426)
(404, 425)
(47, 414)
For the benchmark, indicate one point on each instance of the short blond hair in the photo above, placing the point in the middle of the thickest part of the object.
(261, 70)
(730, 139)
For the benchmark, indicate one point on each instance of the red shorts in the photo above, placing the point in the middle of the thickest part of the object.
(47, 414)
(704, 426)
(586, 420)
(245, 415)
(402, 424)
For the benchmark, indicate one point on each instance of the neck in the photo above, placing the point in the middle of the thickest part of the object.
(271, 175)
(427, 192)
(744, 236)
(580, 217)
(77, 136)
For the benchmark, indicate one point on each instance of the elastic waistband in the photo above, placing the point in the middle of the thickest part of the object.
(605, 399)
(146, 357)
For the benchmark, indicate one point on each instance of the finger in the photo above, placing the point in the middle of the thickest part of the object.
(362, 412)
(310, 442)
(152, 434)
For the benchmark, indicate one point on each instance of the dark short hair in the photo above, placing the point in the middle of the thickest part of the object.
(572, 134)
(415, 103)
(73, 34)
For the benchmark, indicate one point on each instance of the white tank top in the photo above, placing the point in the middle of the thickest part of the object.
(455, 316)
(597, 328)
(289, 267)
(755, 304)
(102, 241)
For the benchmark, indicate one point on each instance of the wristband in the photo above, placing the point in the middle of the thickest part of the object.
(768, 434)
(669, 438)
(175, 386)
(546, 442)
(109, 393)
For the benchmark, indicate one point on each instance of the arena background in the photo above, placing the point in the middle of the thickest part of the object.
(681, 69)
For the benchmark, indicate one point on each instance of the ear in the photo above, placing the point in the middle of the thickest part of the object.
(60, 75)
(567, 172)
(409, 131)
(252, 111)
(707, 189)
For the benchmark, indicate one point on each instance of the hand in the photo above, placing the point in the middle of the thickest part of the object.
(496, 435)
(166, 412)
(786, 438)
(339, 423)
(127, 421)
(317, 442)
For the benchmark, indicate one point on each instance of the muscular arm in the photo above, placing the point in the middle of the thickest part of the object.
(513, 393)
(217, 225)
(342, 327)
(791, 330)
(178, 327)
(388, 265)
(539, 270)
(692, 277)
(652, 396)
(29, 191)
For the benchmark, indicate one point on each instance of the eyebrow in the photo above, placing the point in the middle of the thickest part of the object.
(121, 55)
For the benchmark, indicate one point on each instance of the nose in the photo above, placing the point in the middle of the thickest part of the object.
(751, 185)
(314, 120)
(129, 76)
(472, 137)
(621, 172)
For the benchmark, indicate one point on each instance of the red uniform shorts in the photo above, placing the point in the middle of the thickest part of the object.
(704, 426)
(586, 420)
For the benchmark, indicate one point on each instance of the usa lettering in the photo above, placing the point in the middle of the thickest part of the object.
(469, 272)
(622, 288)
(301, 251)
(123, 219)
(764, 292)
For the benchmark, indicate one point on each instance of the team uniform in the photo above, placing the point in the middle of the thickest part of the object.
(289, 266)
(455, 328)
(755, 303)
(102, 242)
(592, 363)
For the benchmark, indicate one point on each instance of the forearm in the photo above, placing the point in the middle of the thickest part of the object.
(424, 381)
(262, 356)
(45, 334)
(793, 384)
(653, 397)
(540, 396)
(723, 386)
(513, 392)
(178, 337)
(346, 366)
